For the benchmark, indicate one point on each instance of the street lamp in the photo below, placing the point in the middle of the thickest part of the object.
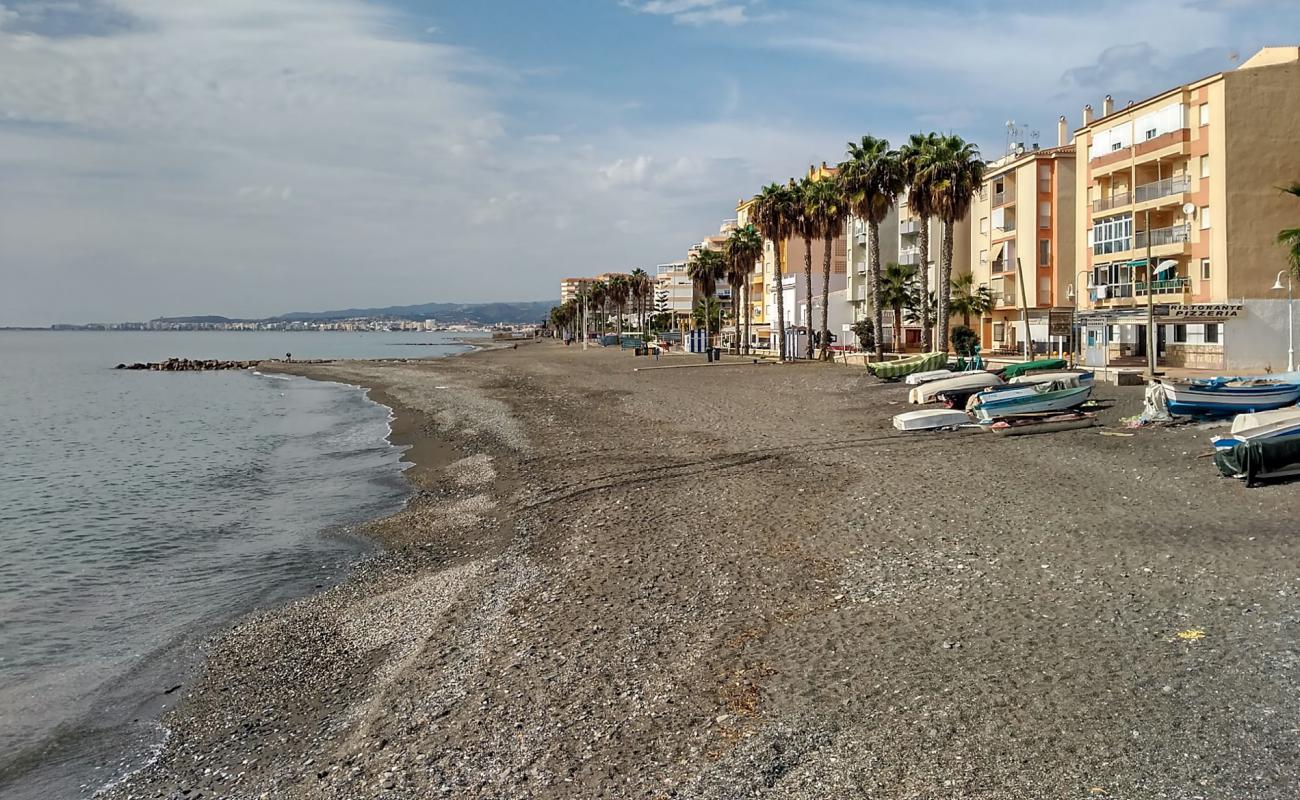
(1290, 318)
(1076, 342)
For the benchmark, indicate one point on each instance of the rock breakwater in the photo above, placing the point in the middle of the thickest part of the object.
(189, 365)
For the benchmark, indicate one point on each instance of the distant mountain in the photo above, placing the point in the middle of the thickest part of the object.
(445, 313)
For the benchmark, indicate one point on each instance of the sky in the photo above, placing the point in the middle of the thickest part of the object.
(254, 157)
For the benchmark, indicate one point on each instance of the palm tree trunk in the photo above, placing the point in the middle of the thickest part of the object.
(826, 298)
(923, 248)
(898, 327)
(749, 308)
(780, 305)
(877, 312)
(620, 325)
(945, 285)
(807, 289)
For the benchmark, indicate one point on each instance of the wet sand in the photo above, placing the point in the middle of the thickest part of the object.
(742, 582)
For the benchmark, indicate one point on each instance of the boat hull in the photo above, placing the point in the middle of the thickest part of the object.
(1060, 400)
(929, 420)
(959, 384)
(1186, 399)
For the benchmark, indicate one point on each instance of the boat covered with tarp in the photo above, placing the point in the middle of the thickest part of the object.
(1016, 370)
(901, 368)
(1260, 459)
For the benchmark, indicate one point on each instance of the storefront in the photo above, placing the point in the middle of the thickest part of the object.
(1187, 336)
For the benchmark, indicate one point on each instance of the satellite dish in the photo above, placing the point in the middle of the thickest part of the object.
(1189, 209)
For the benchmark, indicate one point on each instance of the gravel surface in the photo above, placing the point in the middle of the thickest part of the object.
(741, 582)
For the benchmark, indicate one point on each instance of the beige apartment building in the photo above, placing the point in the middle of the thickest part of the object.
(910, 231)
(1181, 202)
(1023, 243)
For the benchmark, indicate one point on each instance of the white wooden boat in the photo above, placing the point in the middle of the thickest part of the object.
(1045, 397)
(956, 383)
(1043, 423)
(1258, 426)
(1070, 378)
(919, 378)
(1255, 419)
(931, 419)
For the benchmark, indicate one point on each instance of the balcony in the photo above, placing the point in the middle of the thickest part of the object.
(909, 227)
(860, 237)
(910, 257)
(1114, 201)
(1170, 286)
(1000, 198)
(1162, 188)
(1174, 234)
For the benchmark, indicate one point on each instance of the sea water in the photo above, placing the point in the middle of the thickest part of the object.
(142, 511)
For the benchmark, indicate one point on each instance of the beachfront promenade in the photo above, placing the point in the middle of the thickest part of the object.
(742, 582)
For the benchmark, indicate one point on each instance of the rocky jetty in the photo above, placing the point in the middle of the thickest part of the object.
(190, 365)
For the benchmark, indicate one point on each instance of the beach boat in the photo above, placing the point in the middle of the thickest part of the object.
(963, 383)
(918, 378)
(1224, 396)
(1260, 459)
(1039, 397)
(901, 368)
(931, 419)
(1043, 423)
(1071, 377)
(1016, 370)
(1261, 425)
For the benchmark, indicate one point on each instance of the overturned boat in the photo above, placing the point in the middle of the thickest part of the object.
(918, 378)
(901, 368)
(957, 383)
(1260, 425)
(1070, 377)
(931, 419)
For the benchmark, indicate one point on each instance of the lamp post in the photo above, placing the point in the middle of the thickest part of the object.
(1290, 318)
(1076, 342)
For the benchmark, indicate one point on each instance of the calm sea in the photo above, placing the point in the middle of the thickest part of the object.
(141, 511)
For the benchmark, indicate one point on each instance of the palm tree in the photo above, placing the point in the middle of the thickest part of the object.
(706, 268)
(954, 172)
(642, 288)
(806, 228)
(707, 313)
(775, 211)
(597, 293)
(620, 289)
(736, 274)
(1290, 237)
(968, 299)
(872, 177)
(824, 209)
(745, 248)
(913, 156)
(898, 291)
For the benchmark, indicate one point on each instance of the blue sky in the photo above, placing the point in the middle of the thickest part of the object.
(249, 157)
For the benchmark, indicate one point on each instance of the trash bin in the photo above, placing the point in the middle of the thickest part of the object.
(708, 353)
(716, 352)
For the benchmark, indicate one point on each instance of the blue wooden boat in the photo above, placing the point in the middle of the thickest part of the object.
(1221, 397)
(1033, 399)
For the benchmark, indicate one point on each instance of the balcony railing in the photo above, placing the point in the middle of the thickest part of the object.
(999, 198)
(1170, 286)
(908, 227)
(860, 237)
(909, 258)
(1162, 188)
(1114, 201)
(1175, 234)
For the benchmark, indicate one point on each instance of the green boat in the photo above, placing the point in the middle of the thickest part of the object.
(1016, 370)
(893, 370)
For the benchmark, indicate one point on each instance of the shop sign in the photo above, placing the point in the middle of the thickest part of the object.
(1060, 323)
(1207, 311)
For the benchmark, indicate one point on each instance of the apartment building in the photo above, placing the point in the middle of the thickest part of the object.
(760, 332)
(858, 289)
(1182, 207)
(674, 292)
(1023, 242)
(569, 288)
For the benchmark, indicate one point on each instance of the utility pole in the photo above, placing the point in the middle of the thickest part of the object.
(1151, 305)
(1024, 312)
(584, 320)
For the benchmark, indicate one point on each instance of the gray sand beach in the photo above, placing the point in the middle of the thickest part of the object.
(742, 582)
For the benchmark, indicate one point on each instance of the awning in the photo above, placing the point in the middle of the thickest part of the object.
(997, 251)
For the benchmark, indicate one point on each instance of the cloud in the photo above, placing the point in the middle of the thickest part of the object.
(694, 12)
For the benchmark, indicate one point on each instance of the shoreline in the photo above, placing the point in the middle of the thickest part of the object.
(608, 584)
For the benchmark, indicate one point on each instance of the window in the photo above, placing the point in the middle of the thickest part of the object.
(999, 331)
(1112, 235)
(1151, 133)
(1205, 269)
(1205, 113)
(1180, 334)
(1044, 290)
(1212, 333)
(1205, 218)
(1044, 252)
(1205, 166)
(984, 256)
(1117, 146)
(1045, 214)
(984, 224)
(1044, 178)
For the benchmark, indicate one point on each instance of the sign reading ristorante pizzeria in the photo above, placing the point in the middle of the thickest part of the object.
(1207, 311)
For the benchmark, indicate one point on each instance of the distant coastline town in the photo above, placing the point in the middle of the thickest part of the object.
(350, 325)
